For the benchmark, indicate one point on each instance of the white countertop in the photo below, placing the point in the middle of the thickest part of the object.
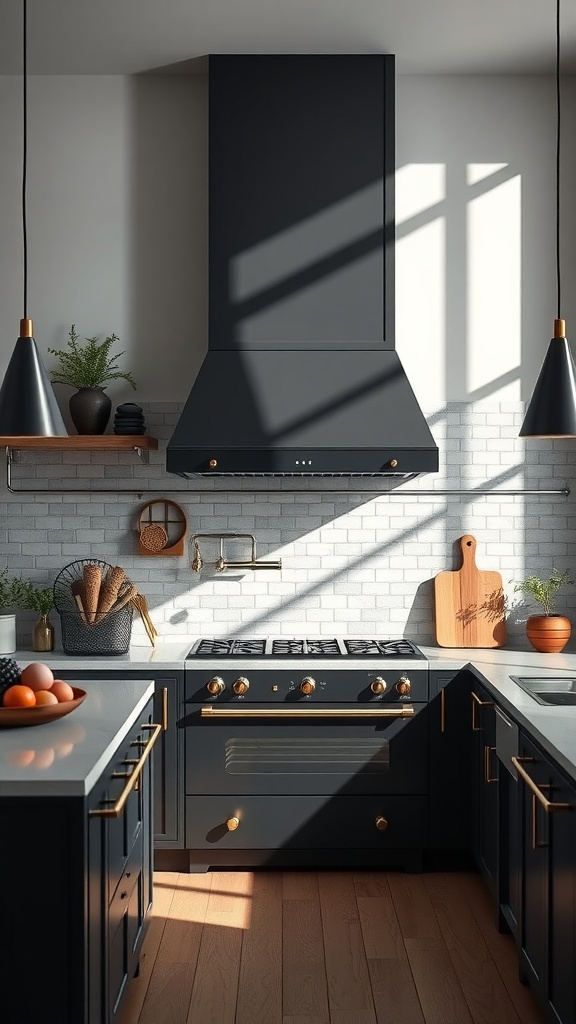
(66, 757)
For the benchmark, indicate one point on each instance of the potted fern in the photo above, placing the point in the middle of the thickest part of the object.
(89, 368)
(547, 632)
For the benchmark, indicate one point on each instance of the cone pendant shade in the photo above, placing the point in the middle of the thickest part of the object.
(552, 408)
(27, 401)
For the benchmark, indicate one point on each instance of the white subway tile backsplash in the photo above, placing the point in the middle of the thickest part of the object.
(352, 563)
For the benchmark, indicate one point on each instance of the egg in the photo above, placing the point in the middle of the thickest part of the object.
(45, 697)
(62, 691)
(37, 676)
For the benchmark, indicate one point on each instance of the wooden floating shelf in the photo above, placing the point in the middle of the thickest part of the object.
(83, 442)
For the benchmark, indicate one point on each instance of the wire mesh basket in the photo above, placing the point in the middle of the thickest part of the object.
(107, 633)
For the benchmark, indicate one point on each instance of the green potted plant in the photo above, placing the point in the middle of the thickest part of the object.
(36, 599)
(89, 368)
(547, 632)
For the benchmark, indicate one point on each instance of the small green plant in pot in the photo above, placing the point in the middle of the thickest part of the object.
(89, 368)
(548, 632)
(37, 599)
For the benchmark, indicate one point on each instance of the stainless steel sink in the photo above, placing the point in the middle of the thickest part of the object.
(551, 690)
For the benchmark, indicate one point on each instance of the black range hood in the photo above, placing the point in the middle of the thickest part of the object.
(301, 376)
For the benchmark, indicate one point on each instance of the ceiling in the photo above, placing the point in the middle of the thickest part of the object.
(116, 37)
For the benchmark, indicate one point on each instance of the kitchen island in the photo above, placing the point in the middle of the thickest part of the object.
(76, 856)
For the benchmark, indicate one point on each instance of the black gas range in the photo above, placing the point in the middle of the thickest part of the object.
(305, 751)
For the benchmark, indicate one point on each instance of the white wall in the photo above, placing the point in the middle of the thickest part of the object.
(117, 221)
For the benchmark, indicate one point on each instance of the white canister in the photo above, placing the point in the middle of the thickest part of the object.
(7, 634)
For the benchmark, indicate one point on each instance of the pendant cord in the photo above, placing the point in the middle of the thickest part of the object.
(558, 157)
(24, 155)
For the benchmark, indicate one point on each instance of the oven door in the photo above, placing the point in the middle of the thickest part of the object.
(326, 749)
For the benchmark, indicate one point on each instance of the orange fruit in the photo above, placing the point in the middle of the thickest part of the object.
(45, 697)
(19, 696)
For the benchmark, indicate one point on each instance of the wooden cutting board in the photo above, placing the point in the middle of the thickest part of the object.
(469, 604)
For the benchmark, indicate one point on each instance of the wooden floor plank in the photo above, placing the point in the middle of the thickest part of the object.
(215, 988)
(394, 992)
(380, 929)
(484, 990)
(412, 905)
(183, 931)
(371, 883)
(304, 983)
(438, 988)
(299, 885)
(346, 968)
(260, 980)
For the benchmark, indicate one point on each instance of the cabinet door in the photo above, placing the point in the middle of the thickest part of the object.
(168, 752)
(548, 884)
(449, 776)
(484, 793)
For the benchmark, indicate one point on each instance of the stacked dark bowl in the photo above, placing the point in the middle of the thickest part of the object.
(129, 419)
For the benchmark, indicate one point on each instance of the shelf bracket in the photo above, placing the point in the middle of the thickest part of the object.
(143, 454)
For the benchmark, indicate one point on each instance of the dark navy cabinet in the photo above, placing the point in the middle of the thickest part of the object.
(77, 888)
(547, 934)
(484, 779)
(168, 788)
(450, 763)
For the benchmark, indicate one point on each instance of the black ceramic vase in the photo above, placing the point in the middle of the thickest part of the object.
(90, 410)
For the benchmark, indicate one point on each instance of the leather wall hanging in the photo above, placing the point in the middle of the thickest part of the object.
(161, 528)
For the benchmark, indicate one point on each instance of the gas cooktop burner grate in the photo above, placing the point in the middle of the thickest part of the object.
(292, 647)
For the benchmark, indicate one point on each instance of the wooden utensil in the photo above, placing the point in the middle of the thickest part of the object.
(469, 604)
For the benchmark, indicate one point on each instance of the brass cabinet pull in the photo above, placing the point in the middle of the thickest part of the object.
(116, 810)
(537, 794)
(487, 776)
(381, 823)
(476, 703)
(233, 823)
(442, 710)
(164, 708)
(210, 711)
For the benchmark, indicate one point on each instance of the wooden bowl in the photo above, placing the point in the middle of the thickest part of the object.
(10, 717)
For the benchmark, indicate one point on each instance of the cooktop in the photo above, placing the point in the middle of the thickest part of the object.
(286, 647)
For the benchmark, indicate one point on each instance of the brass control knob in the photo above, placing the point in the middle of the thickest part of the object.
(403, 685)
(381, 823)
(378, 685)
(215, 685)
(241, 685)
(308, 685)
(232, 824)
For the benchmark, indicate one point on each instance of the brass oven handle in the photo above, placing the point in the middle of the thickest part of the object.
(210, 711)
(476, 702)
(116, 810)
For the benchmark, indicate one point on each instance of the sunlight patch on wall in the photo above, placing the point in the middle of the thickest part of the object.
(493, 329)
(478, 172)
(421, 311)
(418, 187)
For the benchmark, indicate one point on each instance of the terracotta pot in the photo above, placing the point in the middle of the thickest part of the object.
(548, 633)
(90, 410)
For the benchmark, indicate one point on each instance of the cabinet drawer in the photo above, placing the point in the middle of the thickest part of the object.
(125, 919)
(312, 822)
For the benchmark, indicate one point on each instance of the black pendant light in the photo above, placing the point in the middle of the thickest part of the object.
(28, 404)
(552, 408)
